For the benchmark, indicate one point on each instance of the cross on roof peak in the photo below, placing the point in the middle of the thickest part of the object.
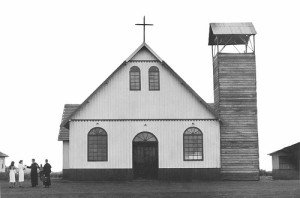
(144, 24)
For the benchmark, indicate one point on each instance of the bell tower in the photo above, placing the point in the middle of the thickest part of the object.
(234, 70)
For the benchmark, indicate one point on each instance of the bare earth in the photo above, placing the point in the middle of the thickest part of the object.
(60, 188)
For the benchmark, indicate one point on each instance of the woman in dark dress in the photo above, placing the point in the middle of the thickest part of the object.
(33, 173)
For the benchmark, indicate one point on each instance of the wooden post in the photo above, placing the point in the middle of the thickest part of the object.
(254, 44)
(217, 45)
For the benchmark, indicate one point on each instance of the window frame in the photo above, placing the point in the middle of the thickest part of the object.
(140, 80)
(158, 74)
(287, 162)
(106, 143)
(183, 144)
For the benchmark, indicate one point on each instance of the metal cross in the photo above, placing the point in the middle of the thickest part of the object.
(144, 24)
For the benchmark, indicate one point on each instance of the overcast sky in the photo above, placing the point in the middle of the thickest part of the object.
(57, 52)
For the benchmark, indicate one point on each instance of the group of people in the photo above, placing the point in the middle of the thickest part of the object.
(44, 172)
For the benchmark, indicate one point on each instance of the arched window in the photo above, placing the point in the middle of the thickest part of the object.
(153, 78)
(192, 144)
(97, 144)
(135, 78)
(144, 137)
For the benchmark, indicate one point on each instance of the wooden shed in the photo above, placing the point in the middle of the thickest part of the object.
(286, 162)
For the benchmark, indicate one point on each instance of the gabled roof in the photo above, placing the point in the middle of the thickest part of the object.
(66, 119)
(63, 131)
(239, 33)
(3, 155)
(288, 149)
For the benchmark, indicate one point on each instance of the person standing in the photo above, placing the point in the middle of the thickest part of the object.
(21, 169)
(12, 174)
(42, 176)
(33, 173)
(47, 171)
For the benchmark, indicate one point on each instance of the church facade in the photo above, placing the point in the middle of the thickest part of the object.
(145, 122)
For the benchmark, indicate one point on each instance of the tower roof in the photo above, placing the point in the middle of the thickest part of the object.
(240, 33)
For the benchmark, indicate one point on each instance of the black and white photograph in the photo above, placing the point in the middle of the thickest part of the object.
(145, 98)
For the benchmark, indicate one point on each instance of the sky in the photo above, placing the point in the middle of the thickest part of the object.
(57, 52)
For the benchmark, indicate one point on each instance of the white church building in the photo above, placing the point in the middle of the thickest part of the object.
(145, 122)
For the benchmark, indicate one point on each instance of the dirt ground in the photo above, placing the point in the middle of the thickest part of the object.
(60, 188)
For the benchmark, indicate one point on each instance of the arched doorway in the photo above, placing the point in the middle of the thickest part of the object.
(145, 156)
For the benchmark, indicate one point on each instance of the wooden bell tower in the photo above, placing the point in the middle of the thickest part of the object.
(234, 69)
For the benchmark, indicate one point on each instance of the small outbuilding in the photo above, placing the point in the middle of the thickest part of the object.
(2, 161)
(285, 162)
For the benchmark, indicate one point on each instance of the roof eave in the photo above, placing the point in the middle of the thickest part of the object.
(65, 123)
(287, 147)
(207, 106)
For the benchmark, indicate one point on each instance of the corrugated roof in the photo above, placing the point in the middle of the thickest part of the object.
(63, 131)
(3, 155)
(232, 28)
(230, 33)
(294, 147)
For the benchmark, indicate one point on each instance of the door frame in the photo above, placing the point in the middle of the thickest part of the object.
(156, 143)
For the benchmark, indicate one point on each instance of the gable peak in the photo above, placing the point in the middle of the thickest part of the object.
(142, 48)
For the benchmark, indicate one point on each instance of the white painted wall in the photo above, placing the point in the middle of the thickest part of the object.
(2, 164)
(275, 159)
(65, 154)
(121, 134)
(116, 101)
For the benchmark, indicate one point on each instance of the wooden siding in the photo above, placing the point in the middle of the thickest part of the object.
(65, 154)
(121, 134)
(235, 101)
(116, 101)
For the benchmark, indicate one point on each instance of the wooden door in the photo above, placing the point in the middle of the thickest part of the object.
(145, 160)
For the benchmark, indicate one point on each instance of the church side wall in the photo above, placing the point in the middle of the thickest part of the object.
(116, 101)
(65, 154)
(121, 134)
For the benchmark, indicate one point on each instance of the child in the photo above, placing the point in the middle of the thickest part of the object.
(12, 174)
